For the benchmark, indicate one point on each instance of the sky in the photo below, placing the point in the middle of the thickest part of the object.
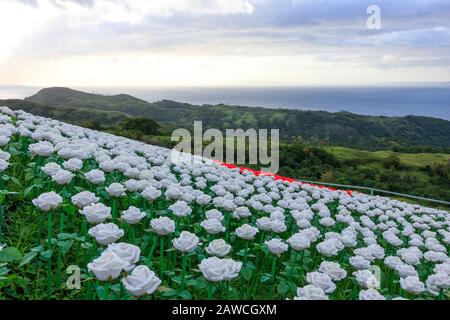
(173, 43)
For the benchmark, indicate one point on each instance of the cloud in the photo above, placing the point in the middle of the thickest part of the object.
(326, 34)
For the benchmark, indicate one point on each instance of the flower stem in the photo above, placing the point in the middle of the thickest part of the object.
(153, 247)
(161, 257)
(49, 248)
(210, 290)
(1, 223)
(183, 274)
(293, 265)
(59, 261)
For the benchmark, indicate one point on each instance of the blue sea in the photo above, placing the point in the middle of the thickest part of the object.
(387, 100)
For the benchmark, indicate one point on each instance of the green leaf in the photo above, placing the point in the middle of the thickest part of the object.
(283, 288)
(28, 190)
(46, 254)
(3, 271)
(186, 295)
(264, 278)
(246, 272)
(70, 209)
(162, 212)
(100, 291)
(65, 246)
(10, 254)
(86, 245)
(27, 258)
(37, 249)
(192, 282)
(170, 293)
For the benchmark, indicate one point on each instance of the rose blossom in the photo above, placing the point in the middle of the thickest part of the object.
(163, 226)
(108, 266)
(276, 246)
(212, 226)
(180, 209)
(116, 190)
(215, 269)
(48, 201)
(133, 215)
(246, 232)
(186, 242)
(106, 233)
(96, 213)
(84, 199)
(218, 248)
(95, 177)
(321, 280)
(142, 281)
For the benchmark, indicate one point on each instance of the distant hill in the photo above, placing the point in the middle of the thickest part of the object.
(340, 129)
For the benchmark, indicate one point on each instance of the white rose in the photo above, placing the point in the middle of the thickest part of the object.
(366, 279)
(412, 285)
(405, 270)
(218, 248)
(299, 242)
(106, 233)
(393, 261)
(246, 232)
(95, 177)
(264, 224)
(186, 242)
(133, 185)
(359, 262)
(83, 199)
(203, 199)
(310, 292)
(141, 281)
(327, 222)
(151, 193)
(276, 246)
(48, 201)
(321, 280)
(215, 269)
(116, 190)
(62, 177)
(96, 213)
(128, 252)
(51, 168)
(370, 294)
(133, 215)
(328, 247)
(278, 226)
(107, 166)
(180, 209)
(333, 269)
(43, 148)
(214, 214)
(212, 226)
(163, 226)
(73, 164)
(108, 266)
(3, 165)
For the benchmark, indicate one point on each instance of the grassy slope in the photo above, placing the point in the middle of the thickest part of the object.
(408, 159)
(413, 162)
(342, 128)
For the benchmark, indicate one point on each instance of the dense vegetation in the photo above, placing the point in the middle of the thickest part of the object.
(405, 134)
(308, 157)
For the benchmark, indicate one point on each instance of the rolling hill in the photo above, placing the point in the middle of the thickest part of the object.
(338, 129)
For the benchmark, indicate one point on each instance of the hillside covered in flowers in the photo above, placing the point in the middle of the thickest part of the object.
(90, 215)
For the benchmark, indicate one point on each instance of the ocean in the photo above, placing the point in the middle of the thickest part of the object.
(388, 100)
